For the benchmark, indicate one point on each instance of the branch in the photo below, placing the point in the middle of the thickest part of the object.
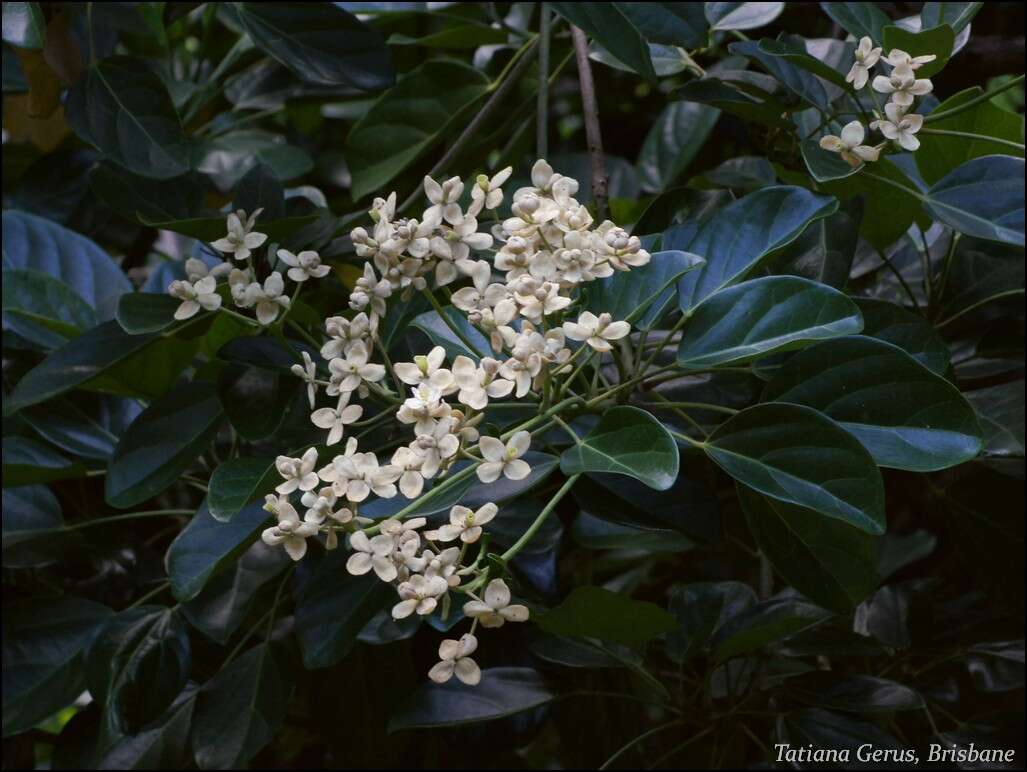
(591, 114)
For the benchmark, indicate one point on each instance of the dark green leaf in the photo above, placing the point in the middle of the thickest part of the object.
(255, 399)
(26, 461)
(162, 443)
(760, 316)
(237, 482)
(821, 729)
(592, 612)
(88, 425)
(440, 333)
(891, 201)
(673, 24)
(31, 514)
(823, 253)
(260, 188)
(43, 309)
(853, 693)
(579, 653)
(739, 16)
(910, 332)
(701, 608)
(162, 744)
(981, 272)
(938, 40)
(503, 691)
(207, 546)
(143, 312)
(626, 441)
(642, 296)
(148, 200)
(595, 533)
(793, 49)
(611, 26)
(823, 165)
(763, 624)
(798, 80)
(800, 456)
(228, 157)
(956, 15)
(828, 561)
(1001, 412)
(731, 98)
(859, 19)
(673, 142)
(983, 198)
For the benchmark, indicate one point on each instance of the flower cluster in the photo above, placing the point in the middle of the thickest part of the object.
(547, 248)
(898, 123)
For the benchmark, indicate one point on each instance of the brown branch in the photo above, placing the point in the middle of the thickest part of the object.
(591, 114)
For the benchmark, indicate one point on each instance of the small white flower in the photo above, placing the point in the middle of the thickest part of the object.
(297, 472)
(370, 292)
(423, 409)
(349, 372)
(596, 331)
(241, 238)
(866, 57)
(445, 564)
(335, 419)
(621, 249)
(374, 553)
(503, 459)
(456, 660)
(410, 461)
(305, 265)
(900, 126)
(343, 333)
(903, 85)
(496, 608)
(444, 198)
(202, 294)
(464, 524)
(321, 506)
(546, 299)
(308, 372)
(479, 382)
(899, 58)
(850, 144)
(269, 298)
(289, 531)
(436, 446)
(420, 594)
(196, 269)
(487, 193)
(427, 370)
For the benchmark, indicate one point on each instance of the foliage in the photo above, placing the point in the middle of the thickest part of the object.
(774, 488)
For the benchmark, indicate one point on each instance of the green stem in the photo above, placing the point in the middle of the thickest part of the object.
(974, 102)
(541, 519)
(898, 275)
(156, 591)
(698, 405)
(980, 137)
(678, 748)
(632, 743)
(119, 518)
(689, 440)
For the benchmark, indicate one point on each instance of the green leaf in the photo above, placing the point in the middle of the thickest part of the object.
(579, 653)
(26, 461)
(143, 312)
(643, 296)
(161, 744)
(828, 561)
(88, 425)
(503, 691)
(763, 624)
(320, 43)
(673, 141)
(701, 608)
(904, 415)
(43, 309)
(800, 456)
(672, 24)
(238, 481)
(854, 693)
(744, 233)
(31, 515)
(440, 334)
(228, 157)
(24, 25)
(44, 641)
(595, 533)
(121, 107)
(462, 36)
(983, 198)
(891, 201)
(910, 332)
(206, 546)
(757, 317)
(592, 612)
(255, 399)
(626, 441)
(938, 40)
(746, 172)
(32, 243)
(136, 665)
(731, 98)
(260, 188)
(859, 19)
(1001, 411)
(939, 154)
(241, 709)
(611, 26)
(739, 16)
(823, 165)
(410, 119)
(823, 253)
(796, 79)
(816, 728)
(148, 200)
(956, 15)
(332, 607)
(162, 443)
(793, 49)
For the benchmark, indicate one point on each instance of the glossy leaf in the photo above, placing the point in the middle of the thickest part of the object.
(408, 123)
(143, 312)
(701, 608)
(238, 481)
(799, 456)
(24, 25)
(859, 19)
(981, 272)
(796, 79)
(42, 309)
(626, 441)
(672, 24)
(27, 461)
(673, 141)
(642, 296)
(31, 515)
(206, 546)
(121, 107)
(503, 691)
(761, 316)
(592, 612)
(162, 443)
(763, 624)
(854, 693)
(742, 234)
(440, 334)
(906, 416)
(149, 200)
(823, 253)
(44, 644)
(823, 165)
(740, 16)
(595, 533)
(828, 561)
(161, 744)
(818, 728)
(256, 399)
(956, 15)
(727, 96)
(910, 332)
(1001, 413)
(891, 201)
(88, 425)
(982, 198)
(611, 25)
(937, 40)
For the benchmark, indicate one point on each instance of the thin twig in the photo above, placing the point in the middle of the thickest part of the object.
(590, 109)
(542, 118)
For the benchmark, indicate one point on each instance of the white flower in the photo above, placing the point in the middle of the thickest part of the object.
(370, 291)
(297, 472)
(866, 57)
(464, 524)
(269, 299)
(487, 193)
(308, 372)
(427, 370)
(596, 331)
(899, 58)
(335, 419)
(479, 382)
(545, 299)
(344, 333)
(903, 85)
(622, 250)
(321, 506)
(196, 269)
(849, 144)
(436, 446)
(445, 564)
(420, 594)
(503, 459)
(372, 478)
(423, 409)
(444, 197)
(202, 294)
(496, 608)
(349, 372)
(456, 660)
(289, 531)
(305, 265)
(374, 553)
(900, 126)
(409, 460)
(241, 238)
